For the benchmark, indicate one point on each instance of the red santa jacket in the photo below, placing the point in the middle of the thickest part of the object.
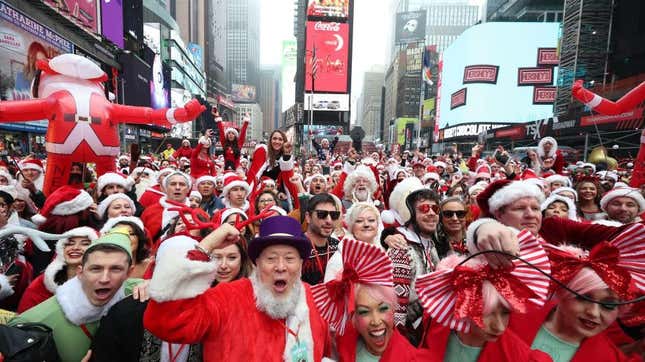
(183, 151)
(398, 349)
(596, 348)
(200, 167)
(508, 348)
(226, 321)
(151, 196)
(152, 217)
(35, 294)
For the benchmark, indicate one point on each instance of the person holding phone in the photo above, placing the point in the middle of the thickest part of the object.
(232, 141)
(201, 163)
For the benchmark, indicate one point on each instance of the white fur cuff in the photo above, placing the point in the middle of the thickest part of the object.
(470, 233)
(6, 289)
(177, 277)
(286, 165)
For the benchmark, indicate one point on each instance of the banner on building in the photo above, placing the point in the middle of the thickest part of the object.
(83, 13)
(410, 27)
(327, 57)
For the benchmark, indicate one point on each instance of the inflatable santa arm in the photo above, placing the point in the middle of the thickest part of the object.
(162, 117)
(604, 106)
(29, 110)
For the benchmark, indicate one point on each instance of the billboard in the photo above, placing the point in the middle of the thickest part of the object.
(112, 21)
(328, 8)
(243, 93)
(136, 80)
(331, 43)
(288, 73)
(405, 129)
(327, 102)
(428, 109)
(489, 74)
(81, 12)
(410, 27)
(23, 41)
(196, 52)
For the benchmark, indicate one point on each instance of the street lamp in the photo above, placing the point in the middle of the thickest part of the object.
(312, 74)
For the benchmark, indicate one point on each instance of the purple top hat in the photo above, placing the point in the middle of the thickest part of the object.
(280, 230)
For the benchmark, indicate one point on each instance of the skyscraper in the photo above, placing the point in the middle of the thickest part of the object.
(370, 105)
(243, 41)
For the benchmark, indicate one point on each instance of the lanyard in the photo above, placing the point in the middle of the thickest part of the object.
(290, 331)
(322, 270)
(86, 331)
(174, 357)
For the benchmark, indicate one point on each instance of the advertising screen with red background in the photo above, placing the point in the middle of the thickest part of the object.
(332, 44)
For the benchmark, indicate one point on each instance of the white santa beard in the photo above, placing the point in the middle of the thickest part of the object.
(276, 308)
(362, 195)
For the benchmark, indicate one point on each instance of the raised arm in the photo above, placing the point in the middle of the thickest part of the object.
(22, 111)
(604, 106)
(242, 138)
(161, 117)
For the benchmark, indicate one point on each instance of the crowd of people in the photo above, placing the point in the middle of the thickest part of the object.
(189, 256)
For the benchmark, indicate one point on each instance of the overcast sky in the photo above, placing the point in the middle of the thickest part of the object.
(372, 25)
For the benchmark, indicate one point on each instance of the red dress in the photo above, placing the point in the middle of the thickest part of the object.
(508, 348)
(200, 167)
(398, 349)
(596, 348)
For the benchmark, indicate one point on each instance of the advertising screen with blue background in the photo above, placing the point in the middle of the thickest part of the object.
(509, 46)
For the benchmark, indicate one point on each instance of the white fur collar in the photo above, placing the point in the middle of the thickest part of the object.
(408, 234)
(77, 308)
(300, 321)
(50, 273)
(165, 204)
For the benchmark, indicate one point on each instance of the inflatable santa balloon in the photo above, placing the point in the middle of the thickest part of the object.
(604, 106)
(83, 124)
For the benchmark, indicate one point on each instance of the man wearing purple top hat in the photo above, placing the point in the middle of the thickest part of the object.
(269, 316)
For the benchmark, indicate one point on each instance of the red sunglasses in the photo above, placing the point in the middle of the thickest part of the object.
(425, 208)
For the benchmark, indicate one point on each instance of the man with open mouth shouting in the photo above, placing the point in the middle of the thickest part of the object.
(269, 316)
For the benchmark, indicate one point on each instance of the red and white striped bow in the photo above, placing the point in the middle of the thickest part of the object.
(620, 263)
(453, 297)
(362, 264)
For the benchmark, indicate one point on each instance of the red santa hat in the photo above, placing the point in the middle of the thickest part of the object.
(110, 178)
(634, 194)
(232, 211)
(32, 164)
(103, 206)
(572, 213)
(559, 178)
(265, 180)
(124, 157)
(483, 171)
(66, 200)
(205, 178)
(4, 173)
(231, 130)
(195, 195)
(314, 176)
(440, 164)
(431, 168)
(504, 192)
(528, 174)
(431, 176)
(231, 180)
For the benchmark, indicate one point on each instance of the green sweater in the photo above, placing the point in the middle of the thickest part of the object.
(71, 342)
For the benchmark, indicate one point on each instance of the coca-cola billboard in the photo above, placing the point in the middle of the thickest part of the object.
(330, 66)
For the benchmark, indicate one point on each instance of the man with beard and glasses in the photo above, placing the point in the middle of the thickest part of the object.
(322, 216)
(413, 252)
(269, 316)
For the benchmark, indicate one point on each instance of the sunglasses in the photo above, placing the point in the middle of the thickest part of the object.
(425, 208)
(322, 214)
(448, 214)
